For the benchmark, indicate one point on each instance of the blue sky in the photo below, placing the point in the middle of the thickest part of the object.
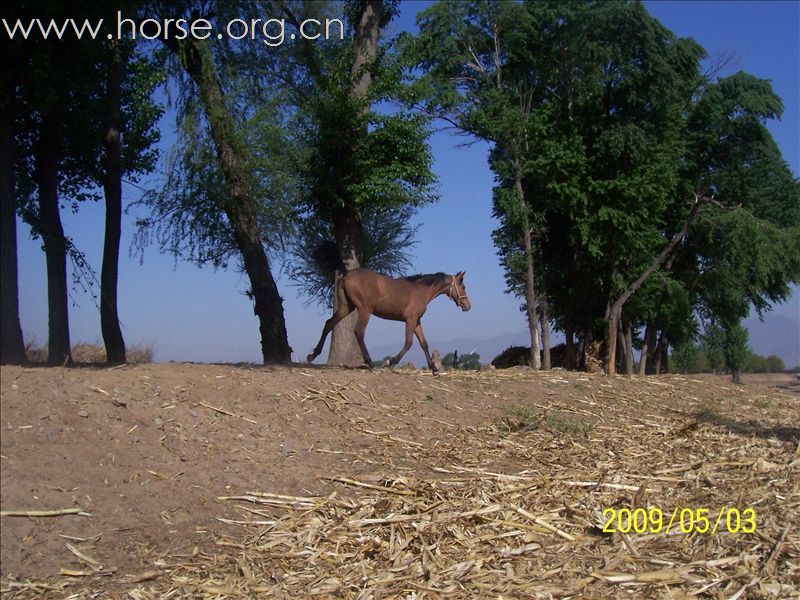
(192, 314)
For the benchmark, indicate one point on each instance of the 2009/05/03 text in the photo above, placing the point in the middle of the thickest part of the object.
(686, 520)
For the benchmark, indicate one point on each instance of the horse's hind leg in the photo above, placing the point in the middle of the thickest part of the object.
(361, 327)
(424, 343)
(342, 310)
(406, 346)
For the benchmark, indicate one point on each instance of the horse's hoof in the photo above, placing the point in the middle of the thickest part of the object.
(310, 358)
(435, 371)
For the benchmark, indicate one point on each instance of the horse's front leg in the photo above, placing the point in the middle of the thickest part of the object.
(406, 346)
(424, 343)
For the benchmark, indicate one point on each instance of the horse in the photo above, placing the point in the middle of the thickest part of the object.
(403, 299)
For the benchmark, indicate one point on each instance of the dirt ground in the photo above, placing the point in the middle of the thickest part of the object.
(151, 458)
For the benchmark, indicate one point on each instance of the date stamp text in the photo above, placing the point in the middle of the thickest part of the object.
(686, 520)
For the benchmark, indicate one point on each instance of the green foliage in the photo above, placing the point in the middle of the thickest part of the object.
(685, 357)
(735, 348)
(713, 347)
(604, 116)
(360, 160)
(312, 147)
(374, 163)
(747, 253)
(690, 358)
(466, 362)
(66, 79)
(755, 363)
(187, 214)
(568, 424)
(60, 92)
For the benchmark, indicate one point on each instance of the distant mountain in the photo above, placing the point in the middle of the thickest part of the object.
(777, 334)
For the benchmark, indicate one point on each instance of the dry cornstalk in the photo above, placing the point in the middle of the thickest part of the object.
(542, 523)
(225, 412)
(44, 513)
(92, 562)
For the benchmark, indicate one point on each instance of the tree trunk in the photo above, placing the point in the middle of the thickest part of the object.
(627, 330)
(55, 244)
(545, 318)
(613, 313)
(348, 231)
(347, 227)
(366, 47)
(647, 347)
(112, 188)
(621, 364)
(544, 305)
(659, 352)
(530, 287)
(663, 351)
(570, 356)
(12, 346)
(612, 320)
(241, 210)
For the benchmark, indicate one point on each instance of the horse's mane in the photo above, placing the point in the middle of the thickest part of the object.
(428, 279)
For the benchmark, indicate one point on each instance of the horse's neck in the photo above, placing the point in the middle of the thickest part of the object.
(441, 289)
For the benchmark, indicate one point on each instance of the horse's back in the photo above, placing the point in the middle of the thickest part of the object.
(364, 286)
(387, 297)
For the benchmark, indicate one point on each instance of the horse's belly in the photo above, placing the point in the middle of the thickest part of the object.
(388, 315)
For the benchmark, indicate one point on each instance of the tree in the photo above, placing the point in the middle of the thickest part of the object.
(747, 251)
(112, 188)
(315, 155)
(685, 356)
(12, 346)
(130, 118)
(74, 100)
(238, 204)
(57, 142)
(471, 54)
(657, 189)
(736, 349)
(713, 341)
(362, 162)
(774, 364)
(630, 122)
(583, 105)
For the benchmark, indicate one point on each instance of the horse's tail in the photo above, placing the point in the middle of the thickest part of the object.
(339, 291)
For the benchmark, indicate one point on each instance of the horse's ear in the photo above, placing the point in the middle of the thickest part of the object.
(461, 274)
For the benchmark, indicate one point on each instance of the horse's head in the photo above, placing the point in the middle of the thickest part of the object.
(458, 293)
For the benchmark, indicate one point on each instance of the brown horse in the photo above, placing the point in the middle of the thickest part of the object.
(403, 299)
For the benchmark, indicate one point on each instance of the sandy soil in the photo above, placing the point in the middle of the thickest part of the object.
(146, 451)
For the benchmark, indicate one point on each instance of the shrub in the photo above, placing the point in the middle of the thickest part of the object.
(90, 354)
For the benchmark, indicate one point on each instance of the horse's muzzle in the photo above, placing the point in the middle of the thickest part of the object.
(465, 306)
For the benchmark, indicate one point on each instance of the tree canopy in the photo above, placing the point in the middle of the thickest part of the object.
(637, 194)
